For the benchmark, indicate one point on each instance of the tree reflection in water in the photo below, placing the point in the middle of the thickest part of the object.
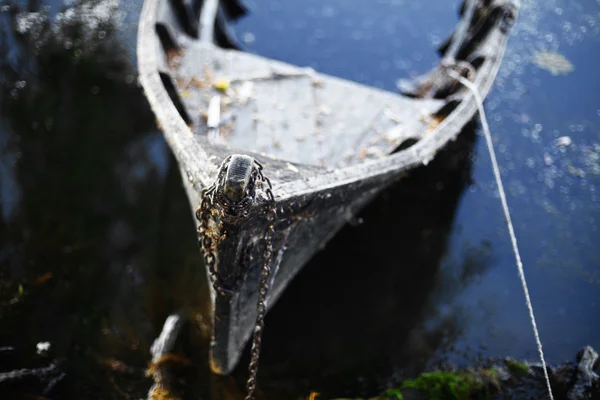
(88, 249)
(97, 243)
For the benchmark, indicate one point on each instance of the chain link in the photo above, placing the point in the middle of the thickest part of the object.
(208, 238)
(263, 289)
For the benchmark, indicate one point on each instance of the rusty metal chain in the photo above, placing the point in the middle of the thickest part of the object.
(263, 289)
(208, 240)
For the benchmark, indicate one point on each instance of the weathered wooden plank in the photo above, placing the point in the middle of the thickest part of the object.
(294, 113)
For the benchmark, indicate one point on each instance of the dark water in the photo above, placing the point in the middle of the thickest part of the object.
(97, 245)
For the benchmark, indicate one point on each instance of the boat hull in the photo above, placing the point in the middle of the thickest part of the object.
(313, 202)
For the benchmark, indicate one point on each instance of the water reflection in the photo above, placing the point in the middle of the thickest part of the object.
(88, 244)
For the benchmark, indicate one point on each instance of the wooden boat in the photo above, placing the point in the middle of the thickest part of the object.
(326, 146)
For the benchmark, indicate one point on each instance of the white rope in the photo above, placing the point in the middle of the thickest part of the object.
(488, 138)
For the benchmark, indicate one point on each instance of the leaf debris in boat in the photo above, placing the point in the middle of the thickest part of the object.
(244, 93)
(553, 62)
(205, 81)
(213, 120)
(434, 121)
(197, 82)
(394, 134)
(324, 110)
(292, 168)
(222, 85)
(371, 152)
(173, 59)
(388, 113)
(214, 112)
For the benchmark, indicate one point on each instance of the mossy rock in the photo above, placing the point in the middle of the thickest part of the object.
(516, 368)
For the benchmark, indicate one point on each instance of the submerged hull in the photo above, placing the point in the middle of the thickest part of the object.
(312, 201)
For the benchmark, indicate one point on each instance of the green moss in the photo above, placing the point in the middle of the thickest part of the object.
(445, 385)
(516, 367)
(394, 394)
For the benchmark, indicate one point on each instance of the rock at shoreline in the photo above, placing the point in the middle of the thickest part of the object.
(505, 379)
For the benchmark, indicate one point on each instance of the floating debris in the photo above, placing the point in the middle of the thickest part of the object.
(248, 38)
(576, 171)
(591, 159)
(563, 141)
(42, 278)
(42, 347)
(553, 62)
